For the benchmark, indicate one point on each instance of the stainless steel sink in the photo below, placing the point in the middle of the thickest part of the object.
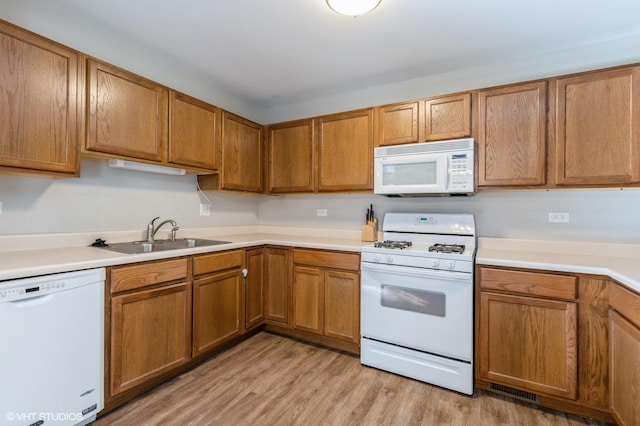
(134, 247)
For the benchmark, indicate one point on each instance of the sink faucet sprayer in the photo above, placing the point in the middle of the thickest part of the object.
(152, 229)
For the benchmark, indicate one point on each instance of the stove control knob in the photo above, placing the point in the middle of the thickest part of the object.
(389, 259)
(435, 263)
(376, 258)
(451, 264)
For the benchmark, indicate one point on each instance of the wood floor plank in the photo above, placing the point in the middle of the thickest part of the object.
(273, 380)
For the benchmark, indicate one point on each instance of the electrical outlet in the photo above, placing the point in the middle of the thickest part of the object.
(205, 209)
(559, 217)
(321, 212)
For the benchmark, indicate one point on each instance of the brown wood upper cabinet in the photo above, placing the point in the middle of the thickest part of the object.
(241, 154)
(194, 132)
(432, 119)
(291, 157)
(127, 114)
(398, 124)
(596, 128)
(447, 117)
(345, 151)
(511, 135)
(40, 90)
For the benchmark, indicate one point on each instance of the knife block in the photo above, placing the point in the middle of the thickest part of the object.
(370, 230)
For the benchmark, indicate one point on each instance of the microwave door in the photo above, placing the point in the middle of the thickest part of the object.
(411, 174)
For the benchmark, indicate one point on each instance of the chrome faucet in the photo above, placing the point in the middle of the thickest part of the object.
(152, 229)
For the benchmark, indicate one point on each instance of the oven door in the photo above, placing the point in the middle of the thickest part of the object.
(423, 309)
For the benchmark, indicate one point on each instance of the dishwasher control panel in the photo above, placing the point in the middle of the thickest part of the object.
(31, 288)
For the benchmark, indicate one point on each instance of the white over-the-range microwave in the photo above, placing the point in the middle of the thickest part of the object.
(429, 168)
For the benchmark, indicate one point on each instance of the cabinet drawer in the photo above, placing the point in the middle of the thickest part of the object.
(626, 302)
(327, 259)
(208, 263)
(131, 277)
(529, 283)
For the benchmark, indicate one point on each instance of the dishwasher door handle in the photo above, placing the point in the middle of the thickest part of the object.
(32, 301)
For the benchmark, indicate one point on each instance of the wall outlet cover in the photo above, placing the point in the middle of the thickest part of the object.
(321, 212)
(205, 209)
(559, 217)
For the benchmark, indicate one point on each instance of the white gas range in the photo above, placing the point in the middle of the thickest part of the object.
(417, 299)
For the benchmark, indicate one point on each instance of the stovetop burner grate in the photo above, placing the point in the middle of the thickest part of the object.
(447, 248)
(390, 244)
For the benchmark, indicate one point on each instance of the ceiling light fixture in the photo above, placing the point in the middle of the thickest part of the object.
(144, 167)
(353, 7)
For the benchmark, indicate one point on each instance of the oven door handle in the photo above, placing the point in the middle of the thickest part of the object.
(416, 272)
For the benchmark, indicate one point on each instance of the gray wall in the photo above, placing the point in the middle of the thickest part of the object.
(105, 199)
(595, 215)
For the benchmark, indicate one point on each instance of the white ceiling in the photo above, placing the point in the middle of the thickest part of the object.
(275, 52)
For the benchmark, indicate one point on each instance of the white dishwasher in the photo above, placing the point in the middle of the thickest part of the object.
(52, 349)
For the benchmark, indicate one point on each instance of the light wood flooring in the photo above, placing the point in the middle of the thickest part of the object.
(273, 380)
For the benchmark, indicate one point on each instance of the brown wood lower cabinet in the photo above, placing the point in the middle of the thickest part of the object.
(277, 286)
(151, 325)
(326, 300)
(217, 299)
(544, 333)
(624, 377)
(254, 287)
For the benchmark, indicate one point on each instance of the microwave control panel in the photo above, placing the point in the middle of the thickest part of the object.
(461, 172)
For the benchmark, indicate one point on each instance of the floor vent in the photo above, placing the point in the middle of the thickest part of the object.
(515, 393)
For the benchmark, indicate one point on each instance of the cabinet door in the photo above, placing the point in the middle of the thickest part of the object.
(150, 334)
(194, 132)
(398, 124)
(342, 305)
(127, 114)
(529, 343)
(345, 151)
(308, 299)
(241, 154)
(624, 379)
(512, 135)
(39, 100)
(448, 117)
(254, 288)
(291, 157)
(277, 293)
(217, 310)
(597, 128)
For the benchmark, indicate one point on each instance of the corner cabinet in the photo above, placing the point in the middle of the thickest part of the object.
(291, 157)
(41, 98)
(326, 294)
(511, 135)
(345, 151)
(544, 335)
(194, 132)
(624, 376)
(254, 277)
(596, 128)
(241, 154)
(277, 303)
(150, 313)
(127, 114)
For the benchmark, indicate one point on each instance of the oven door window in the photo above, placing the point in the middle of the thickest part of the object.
(407, 299)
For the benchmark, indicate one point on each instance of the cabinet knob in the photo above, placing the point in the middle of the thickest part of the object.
(245, 272)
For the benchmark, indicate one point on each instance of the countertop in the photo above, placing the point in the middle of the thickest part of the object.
(25, 256)
(29, 261)
(620, 262)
